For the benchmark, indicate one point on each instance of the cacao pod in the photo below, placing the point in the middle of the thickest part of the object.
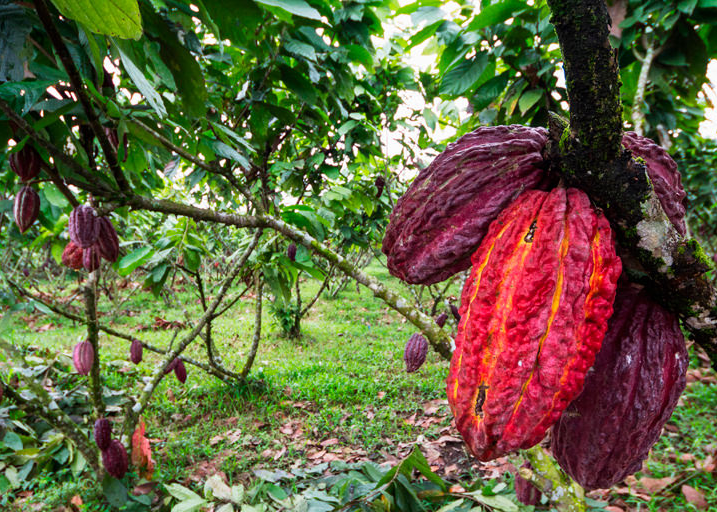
(83, 226)
(445, 213)
(291, 251)
(441, 319)
(455, 313)
(107, 240)
(534, 311)
(103, 433)
(83, 356)
(91, 258)
(135, 351)
(25, 163)
(26, 208)
(629, 394)
(170, 367)
(526, 492)
(664, 175)
(415, 352)
(114, 459)
(180, 371)
(379, 183)
(72, 256)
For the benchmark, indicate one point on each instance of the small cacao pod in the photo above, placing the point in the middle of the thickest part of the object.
(170, 367)
(455, 313)
(415, 352)
(441, 319)
(26, 208)
(83, 226)
(83, 356)
(135, 351)
(534, 311)
(291, 251)
(445, 213)
(72, 256)
(103, 433)
(25, 163)
(629, 394)
(526, 492)
(180, 371)
(379, 183)
(91, 258)
(107, 240)
(114, 459)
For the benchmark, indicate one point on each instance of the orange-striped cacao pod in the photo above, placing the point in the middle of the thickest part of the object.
(534, 311)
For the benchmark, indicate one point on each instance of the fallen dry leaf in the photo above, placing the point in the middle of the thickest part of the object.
(694, 496)
(655, 485)
(708, 465)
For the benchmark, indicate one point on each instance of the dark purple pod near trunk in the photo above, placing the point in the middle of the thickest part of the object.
(379, 183)
(415, 352)
(114, 459)
(291, 251)
(25, 163)
(107, 240)
(629, 394)
(135, 351)
(103, 433)
(526, 492)
(83, 356)
(441, 319)
(180, 371)
(26, 208)
(83, 226)
(455, 313)
(91, 258)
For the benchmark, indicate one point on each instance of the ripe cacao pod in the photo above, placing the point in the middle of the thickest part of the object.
(170, 367)
(180, 371)
(26, 208)
(664, 175)
(83, 226)
(114, 459)
(291, 251)
(135, 351)
(526, 492)
(379, 183)
(83, 356)
(72, 256)
(534, 311)
(629, 394)
(107, 240)
(91, 258)
(455, 313)
(415, 352)
(441, 319)
(103, 433)
(25, 163)
(445, 213)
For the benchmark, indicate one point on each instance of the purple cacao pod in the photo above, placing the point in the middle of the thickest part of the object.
(103, 433)
(664, 175)
(25, 163)
(170, 367)
(441, 219)
(135, 351)
(291, 251)
(455, 313)
(114, 459)
(629, 394)
(415, 353)
(107, 240)
(83, 356)
(180, 371)
(83, 226)
(26, 208)
(441, 319)
(72, 256)
(379, 183)
(91, 258)
(526, 492)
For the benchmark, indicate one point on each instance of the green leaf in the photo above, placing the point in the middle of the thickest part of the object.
(137, 76)
(301, 49)
(528, 99)
(114, 491)
(495, 13)
(687, 6)
(462, 77)
(118, 18)
(490, 91)
(54, 196)
(299, 84)
(230, 153)
(16, 27)
(500, 503)
(133, 260)
(295, 7)
(12, 441)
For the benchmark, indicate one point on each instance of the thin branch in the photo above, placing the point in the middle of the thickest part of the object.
(318, 294)
(90, 293)
(259, 285)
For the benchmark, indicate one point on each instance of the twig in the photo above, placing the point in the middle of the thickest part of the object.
(258, 285)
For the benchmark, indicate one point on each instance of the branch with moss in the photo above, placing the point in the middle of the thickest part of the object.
(258, 286)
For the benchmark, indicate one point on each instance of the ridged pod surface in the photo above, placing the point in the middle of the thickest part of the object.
(83, 356)
(663, 173)
(534, 311)
(91, 258)
(445, 213)
(135, 351)
(441, 319)
(25, 163)
(72, 256)
(83, 226)
(526, 492)
(103, 433)
(180, 371)
(414, 355)
(114, 459)
(629, 394)
(107, 240)
(291, 251)
(26, 208)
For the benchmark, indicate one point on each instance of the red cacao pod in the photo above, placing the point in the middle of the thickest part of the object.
(72, 256)
(107, 240)
(135, 351)
(534, 311)
(26, 208)
(526, 492)
(664, 175)
(25, 163)
(91, 258)
(629, 394)
(83, 356)
(379, 183)
(445, 213)
(441, 319)
(180, 371)
(83, 226)
(291, 251)
(114, 459)
(103, 433)
(415, 352)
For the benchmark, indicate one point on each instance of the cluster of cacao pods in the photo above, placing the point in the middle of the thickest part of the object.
(547, 337)
(114, 455)
(26, 207)
(91, 239)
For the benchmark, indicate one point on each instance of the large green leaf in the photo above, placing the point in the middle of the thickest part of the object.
(118, 18)
(463, 76)
(496, 13)
(137, 76)
(295, 7)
